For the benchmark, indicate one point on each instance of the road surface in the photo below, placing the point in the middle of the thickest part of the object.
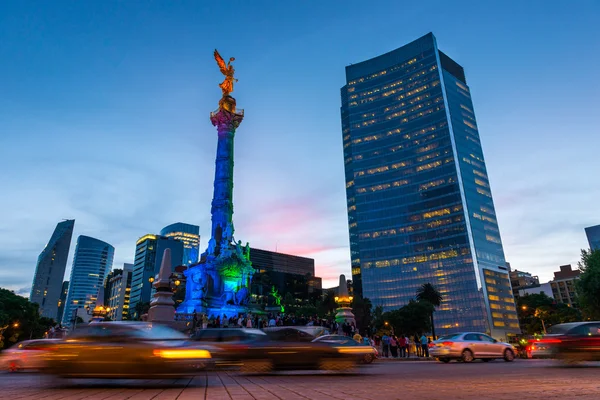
(522, 379)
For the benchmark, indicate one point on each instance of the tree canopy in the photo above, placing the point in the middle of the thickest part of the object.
(588, 284)
(20, 319)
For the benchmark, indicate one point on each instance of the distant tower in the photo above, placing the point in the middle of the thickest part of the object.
(50, 270)
(92, 262)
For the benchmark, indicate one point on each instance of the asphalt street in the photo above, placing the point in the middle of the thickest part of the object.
(522, 379)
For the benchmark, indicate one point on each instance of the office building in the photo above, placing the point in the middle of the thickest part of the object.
(520, 280)
(50, 270)
(563, 284)
(190, 236)
(63, 299)
(593, 236)
(287, 273)
(118, 289)
(420, 207)
(92, 262)
(149, 252)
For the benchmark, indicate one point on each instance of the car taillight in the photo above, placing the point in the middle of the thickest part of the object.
(447, 343)
(549, 341)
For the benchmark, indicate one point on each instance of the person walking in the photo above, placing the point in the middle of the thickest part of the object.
(385, 340)
(407, 347)
(424, 346)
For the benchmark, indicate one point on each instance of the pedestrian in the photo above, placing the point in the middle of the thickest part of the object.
(424, 346)
(407, 346)
(385, 340)
(394, 346)
(402, 346)
(417, 344)
(357, 337)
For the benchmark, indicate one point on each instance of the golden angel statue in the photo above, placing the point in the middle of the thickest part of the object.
(227, 70)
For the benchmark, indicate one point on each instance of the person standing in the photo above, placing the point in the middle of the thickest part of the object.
(385, 340)
(394, 346)
(407, 346)
(402, 346)
(417, 343)
(424, 346)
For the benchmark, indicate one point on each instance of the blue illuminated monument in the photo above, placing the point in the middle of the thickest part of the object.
(220, 284)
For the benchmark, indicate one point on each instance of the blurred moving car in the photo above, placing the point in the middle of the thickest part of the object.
(312, 330)
(26, 355)
(126, 350)
(469, 346)
(570, 342)
(280, 349)
(348, 341)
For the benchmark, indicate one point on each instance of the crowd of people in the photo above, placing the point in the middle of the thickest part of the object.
(402, 346)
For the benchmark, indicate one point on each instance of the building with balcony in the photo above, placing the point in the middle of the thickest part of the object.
(563, 285)
(520, 280)
(118, 289)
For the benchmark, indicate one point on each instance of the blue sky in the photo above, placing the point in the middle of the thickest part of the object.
(104, 118)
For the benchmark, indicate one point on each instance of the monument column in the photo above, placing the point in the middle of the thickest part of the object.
(226, 123)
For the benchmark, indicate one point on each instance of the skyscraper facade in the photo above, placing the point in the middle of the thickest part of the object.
(420, 207)
(119, 290)
(190, 236)
(593, 236)
(92, 262)
(63, 299)
(50, 270)
(149, 252)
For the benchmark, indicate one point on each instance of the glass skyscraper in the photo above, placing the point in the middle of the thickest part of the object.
(50, 270)
(190, 236)
(93, 260)
(593, 236)
(420, 207)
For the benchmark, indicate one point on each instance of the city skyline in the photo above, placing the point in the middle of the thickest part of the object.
(83, 114)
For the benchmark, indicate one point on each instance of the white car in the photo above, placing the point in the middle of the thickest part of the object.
(469, 346)
(26, 355)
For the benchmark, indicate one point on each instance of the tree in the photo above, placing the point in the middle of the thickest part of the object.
(413, 318)
(20, 319)
(361, 308)
(431, 295)
(539, 311)
(378, 320)
(588, 284)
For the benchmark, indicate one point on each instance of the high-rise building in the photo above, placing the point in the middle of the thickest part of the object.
(50, 270)
(593, 236)
(420, 206)
(63, 299)
(118, 293)
(190, 236)
(92, 262)
(149, 252)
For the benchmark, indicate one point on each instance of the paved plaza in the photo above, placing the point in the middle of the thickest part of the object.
(523, 379)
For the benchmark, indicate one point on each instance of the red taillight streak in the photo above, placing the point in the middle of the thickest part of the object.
(447, 343)
(549, 341)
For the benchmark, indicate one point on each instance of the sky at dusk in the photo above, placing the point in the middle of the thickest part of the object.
(104, 118)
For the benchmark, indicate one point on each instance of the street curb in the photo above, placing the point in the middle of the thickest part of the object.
(404, 359)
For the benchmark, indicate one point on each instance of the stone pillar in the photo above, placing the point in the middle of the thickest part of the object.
(344, 311)
(226, 123)
(161, 306)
